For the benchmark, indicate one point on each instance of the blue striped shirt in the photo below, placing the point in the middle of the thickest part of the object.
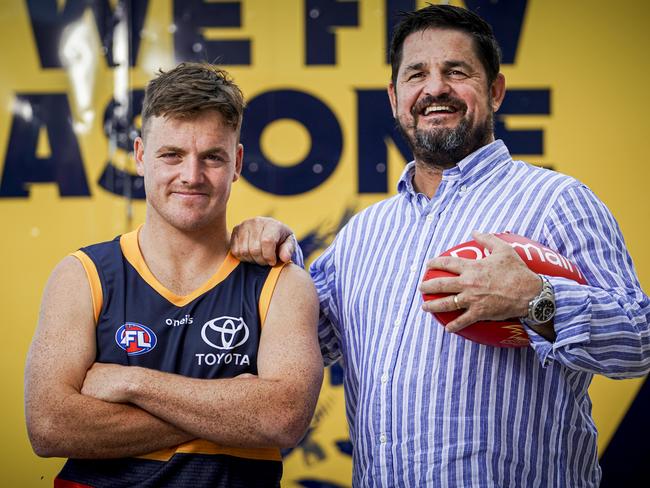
(430, 408)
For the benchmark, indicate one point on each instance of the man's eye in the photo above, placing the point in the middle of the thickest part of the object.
(170, 157)
(456, 73)
(214, 159)
(415, 76)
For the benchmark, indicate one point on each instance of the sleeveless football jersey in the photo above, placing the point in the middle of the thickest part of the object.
(213, 332)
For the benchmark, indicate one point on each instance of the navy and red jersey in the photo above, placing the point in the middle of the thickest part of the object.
(213, 332)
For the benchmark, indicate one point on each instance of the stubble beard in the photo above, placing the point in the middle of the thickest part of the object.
(185, 219)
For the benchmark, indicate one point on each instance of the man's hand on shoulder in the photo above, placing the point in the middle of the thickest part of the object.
(262, 240)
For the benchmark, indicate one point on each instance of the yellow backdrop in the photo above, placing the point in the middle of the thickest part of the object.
(592, 57)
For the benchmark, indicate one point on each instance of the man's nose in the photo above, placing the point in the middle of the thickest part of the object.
(191, 170)
(436, 85)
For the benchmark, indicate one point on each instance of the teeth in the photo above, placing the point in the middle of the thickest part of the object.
(437, 108)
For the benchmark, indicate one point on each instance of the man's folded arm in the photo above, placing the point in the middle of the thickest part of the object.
(60, 420)
(272, 409)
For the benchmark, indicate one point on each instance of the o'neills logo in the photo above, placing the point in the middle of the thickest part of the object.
(528, 251)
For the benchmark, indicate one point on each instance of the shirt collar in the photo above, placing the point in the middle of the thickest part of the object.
(468, 170)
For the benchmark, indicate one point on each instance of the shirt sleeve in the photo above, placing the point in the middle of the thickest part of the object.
(601, 327)
(323, 273)
(297, 256)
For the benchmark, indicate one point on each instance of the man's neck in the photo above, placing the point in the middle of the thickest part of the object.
(427, 178)
(428, 175)
(180, 260)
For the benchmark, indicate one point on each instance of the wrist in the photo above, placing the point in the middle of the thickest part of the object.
(541, 308)
(132, 383)
(528, 290)
(547, 331)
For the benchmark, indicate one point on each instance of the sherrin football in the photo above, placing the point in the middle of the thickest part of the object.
(538, 258)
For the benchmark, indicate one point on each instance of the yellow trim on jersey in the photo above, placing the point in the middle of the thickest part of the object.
(93, 280)
(267, 290)
(131, 251)
(200, 446)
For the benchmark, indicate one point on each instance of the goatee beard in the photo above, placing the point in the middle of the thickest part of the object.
(444, 147)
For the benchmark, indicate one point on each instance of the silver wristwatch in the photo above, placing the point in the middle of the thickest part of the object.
(541, 309)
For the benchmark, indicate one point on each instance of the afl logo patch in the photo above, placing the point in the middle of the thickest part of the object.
(225, 332)
(135, 339)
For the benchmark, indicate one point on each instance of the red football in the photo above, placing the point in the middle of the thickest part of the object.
(538, 258)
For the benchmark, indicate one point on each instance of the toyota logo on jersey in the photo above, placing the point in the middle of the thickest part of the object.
(225, 332)
(135, 339)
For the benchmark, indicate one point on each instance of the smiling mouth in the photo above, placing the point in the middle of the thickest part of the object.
(443, 105)
(440, 109)
(190, 193)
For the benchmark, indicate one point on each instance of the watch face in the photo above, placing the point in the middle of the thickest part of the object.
(544, 310)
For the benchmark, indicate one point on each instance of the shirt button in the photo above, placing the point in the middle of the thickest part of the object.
(397, 322)
(382, 438)
(463, 188)
(384, 377)
(414, 268)
(429, 218)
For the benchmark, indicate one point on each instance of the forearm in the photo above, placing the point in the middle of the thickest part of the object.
(237, 412)
(546, 330)
(79, 426)
(61, 419)
(601, 327)
(599, 331)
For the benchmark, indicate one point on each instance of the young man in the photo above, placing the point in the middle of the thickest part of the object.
(430, 408)
(159, 359)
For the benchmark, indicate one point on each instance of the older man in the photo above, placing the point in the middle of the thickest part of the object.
(427, 407)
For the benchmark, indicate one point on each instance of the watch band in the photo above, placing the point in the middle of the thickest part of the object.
(541, 309)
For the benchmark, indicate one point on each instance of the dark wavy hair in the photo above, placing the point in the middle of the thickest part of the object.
(447, 17)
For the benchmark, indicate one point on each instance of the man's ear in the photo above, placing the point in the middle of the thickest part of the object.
(392, 96)
(498, 91)
(239, 161)
(138, 153)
